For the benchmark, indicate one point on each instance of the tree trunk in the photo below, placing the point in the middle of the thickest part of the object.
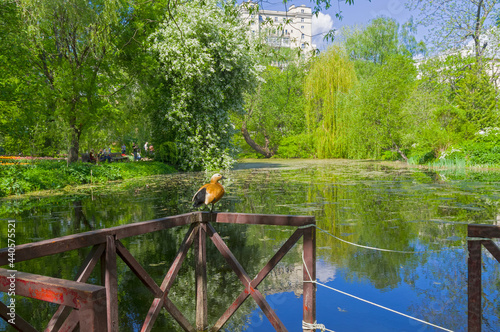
(401, 153)
(264, 150)
(74, 148)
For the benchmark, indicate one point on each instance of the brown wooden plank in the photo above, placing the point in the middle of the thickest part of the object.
(200, 250)
(169, 279)
(111, 283)
(93, 316)
(474, 314)
(138, 270)
(245, 279)
(177, 315)
(492, 248)
(486, 231)
(258, 279)
(20, 323)
(260, 219)
(81, 240)
(309, 274)
(82, 276)
(54, 290)
(70, 323)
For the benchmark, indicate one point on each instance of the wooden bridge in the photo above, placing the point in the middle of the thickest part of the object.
(95, 307)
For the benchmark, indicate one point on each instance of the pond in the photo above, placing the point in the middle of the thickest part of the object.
(356, 203)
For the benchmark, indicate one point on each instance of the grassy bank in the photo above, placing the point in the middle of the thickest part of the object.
(22, 177)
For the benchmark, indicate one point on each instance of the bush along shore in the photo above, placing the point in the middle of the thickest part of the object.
(21, 176)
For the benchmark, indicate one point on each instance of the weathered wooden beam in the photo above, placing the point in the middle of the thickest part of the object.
(474, 290)
(167, 283)
(19, 323)
(138, 270)
(200, 250)
(54, 290)
(486, 231)
(245, 279)
(82, 276)
(258, 279)
(259, 219)
(111, 283)
(81, 240)
(309, 276)
(492, 248)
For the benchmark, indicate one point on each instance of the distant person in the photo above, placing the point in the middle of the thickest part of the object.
(92, 156)
(151, 150)
(146, 148)
(135, 150)
(124, 149)
(107, 154)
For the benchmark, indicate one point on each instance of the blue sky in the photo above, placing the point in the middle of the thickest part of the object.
(361, 13)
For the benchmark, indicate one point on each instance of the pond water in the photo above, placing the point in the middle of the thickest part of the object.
(377, 205)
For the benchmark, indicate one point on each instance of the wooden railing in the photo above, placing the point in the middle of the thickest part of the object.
(106, 246)
(478, 236)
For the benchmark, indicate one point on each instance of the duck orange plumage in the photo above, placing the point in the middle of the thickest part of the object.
(210, 193)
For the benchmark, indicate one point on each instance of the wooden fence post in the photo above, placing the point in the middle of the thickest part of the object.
(474, 288)
(109, 270)
(201, 278)
(309, 274)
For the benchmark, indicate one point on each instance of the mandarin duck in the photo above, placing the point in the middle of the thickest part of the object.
(210, 193)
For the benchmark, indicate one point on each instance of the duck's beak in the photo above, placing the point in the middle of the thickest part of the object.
(223, 177)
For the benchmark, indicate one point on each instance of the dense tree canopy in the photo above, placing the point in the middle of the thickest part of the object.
(206, 65)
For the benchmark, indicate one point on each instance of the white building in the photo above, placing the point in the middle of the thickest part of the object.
(292, 28)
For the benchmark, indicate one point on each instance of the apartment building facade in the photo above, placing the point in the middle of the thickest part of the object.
(291, 28)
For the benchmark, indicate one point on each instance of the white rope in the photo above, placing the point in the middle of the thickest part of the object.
(373, 248)
(478, 238)
(314, 326)
(366, 301)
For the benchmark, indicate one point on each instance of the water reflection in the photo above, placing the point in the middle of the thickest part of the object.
(368, 203)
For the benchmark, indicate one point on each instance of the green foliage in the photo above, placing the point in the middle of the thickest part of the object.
(20, 179)
(330, 76)
(167, 152)
(298, 146)
(484, 149)
(374, 44)
(206, 66)
(477, 99)
(275, 111)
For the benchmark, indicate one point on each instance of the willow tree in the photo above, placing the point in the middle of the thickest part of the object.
(330, 76)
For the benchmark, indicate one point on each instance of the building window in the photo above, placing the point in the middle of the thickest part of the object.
(302, 19)
(276, 19)
(303, 36)
(302, 46)
(302, 27)
(302, 10)
(284, 19)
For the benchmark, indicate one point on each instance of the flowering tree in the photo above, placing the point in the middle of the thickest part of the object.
(206, 64)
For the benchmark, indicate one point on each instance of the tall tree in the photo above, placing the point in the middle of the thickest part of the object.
(71, 44)
(206, 64)
(453, 23)
(275, 110)
(383, 97)
(383, 37)
(331, 75)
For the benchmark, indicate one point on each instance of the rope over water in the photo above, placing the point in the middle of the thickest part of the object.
(314, 326)
(366, 301)
(374, 248)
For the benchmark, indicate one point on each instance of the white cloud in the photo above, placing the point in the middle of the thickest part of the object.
(321, 25)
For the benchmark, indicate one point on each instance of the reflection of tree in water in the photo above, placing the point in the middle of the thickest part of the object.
(441, 285)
